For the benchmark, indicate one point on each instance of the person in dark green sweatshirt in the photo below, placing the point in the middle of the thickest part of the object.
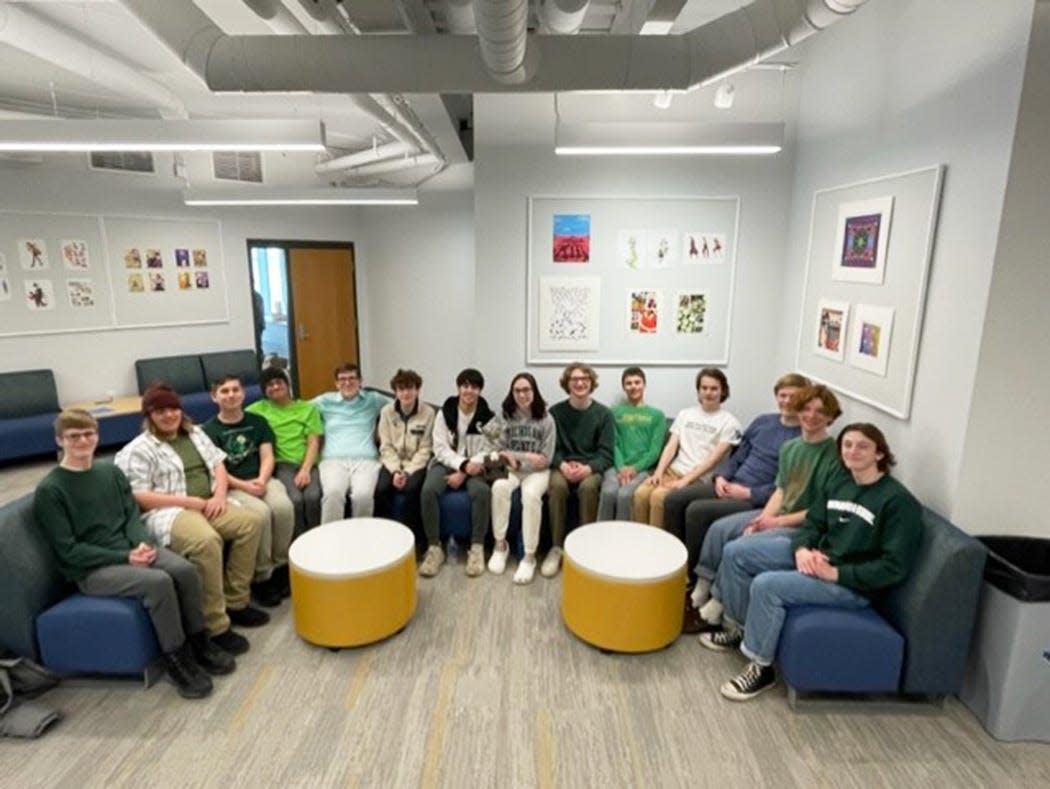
(86, 511)
(859, 538)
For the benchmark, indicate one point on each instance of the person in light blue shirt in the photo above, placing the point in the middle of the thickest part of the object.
(350, 457)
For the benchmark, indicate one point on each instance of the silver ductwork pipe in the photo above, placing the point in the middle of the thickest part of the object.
(276, 15)
(502, 29)
(459, 17)
(562, 17)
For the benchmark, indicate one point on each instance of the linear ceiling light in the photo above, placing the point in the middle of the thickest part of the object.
(61, 135)
(626, 138)
(300, 196)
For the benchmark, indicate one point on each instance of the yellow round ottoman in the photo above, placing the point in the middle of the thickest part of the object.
(623, 586)
(353, 581)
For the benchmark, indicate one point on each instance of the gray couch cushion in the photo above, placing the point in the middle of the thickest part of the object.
(27, 393)
(241, 363)
(182, 373)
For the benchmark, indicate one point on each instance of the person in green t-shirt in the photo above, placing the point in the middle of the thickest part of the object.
(297, 428)
(640, 431)
(248, 443)
(86, 512)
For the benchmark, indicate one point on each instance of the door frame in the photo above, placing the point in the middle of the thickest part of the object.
(287, 246)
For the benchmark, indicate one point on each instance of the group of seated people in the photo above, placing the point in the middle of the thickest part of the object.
(779, 514)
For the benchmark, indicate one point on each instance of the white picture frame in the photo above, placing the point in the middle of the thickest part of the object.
(870, 338)
(830, 329)
(861, 240)
(569, 309)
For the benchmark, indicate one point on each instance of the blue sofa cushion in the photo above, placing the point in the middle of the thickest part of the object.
(27, 393)
(198, 406)
(839, 650)
(30, 435)
(241, 363)
(455, 514)
(184, 374)
(96, 635)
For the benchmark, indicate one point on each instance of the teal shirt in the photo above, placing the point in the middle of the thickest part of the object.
(350, 425)
(640, 431)
(89, 518)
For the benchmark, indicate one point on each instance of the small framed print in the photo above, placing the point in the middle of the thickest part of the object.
(830, 329)
(861, 238)
(869, 339)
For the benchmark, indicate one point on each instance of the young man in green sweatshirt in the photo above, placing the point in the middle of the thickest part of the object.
(86, 511)
(640, 431)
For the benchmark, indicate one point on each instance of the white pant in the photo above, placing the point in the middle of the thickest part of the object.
(276, 512)
(338, 477)
(533, 486)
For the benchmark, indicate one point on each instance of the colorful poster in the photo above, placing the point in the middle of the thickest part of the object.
(182, 258)
(568, 313)
(184, 280)
(154, 259)
(32, 254)
(81, 293)
(132, 258)
(860, 242)
(75, 255)
(830, 335)
(200, 258)
(157, 282)
(40, 294)
(643, 311)
(869, 345)
(200, 280)
(136, 283)
(704, 248)
(572, 238)
(690, 311)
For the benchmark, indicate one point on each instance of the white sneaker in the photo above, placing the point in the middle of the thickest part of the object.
(711, 611)
(475, 560)
(526, 570)
(498, 561)
(551, 563)
(701, 592)
(432, 561)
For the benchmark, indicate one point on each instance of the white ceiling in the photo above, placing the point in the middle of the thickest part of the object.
(98, 60)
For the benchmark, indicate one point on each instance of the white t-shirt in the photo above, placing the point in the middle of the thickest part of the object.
(699, 432)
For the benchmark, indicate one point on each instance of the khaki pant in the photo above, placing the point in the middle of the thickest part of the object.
(200, 540)
(648, 504)
(276, 517)
(557, 502)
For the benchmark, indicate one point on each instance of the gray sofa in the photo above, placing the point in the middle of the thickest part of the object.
(28, 406)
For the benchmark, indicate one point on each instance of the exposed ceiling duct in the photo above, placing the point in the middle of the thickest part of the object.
(563, 17)
(454, 64)
(276, 15)
(502, 28)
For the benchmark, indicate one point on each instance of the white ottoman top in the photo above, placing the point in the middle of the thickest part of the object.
(625, 551)
(355, 546)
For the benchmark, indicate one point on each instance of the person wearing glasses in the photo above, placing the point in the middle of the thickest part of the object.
(583, 453)
(349, 457)
(86, 512)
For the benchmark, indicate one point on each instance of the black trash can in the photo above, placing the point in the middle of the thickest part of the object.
(1007, 681)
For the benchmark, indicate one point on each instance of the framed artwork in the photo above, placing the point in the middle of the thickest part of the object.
(830, 330)
(862, 237)
(571, 242)
(81, 293)
(690, 311)
(869, 338)
(663, 248)
(32, 254)
(644, 311)
(568, 313)
(75, 255)
(704, 248)
(631, 246)
(40, 294)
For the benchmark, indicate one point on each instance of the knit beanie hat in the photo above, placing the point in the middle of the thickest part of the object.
(159, 396)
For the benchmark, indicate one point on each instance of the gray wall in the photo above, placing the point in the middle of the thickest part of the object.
(905, 84)
(1005, 462)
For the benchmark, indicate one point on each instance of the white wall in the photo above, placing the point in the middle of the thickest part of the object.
(88, 364)
(904, 84)
(1005, 463)
(507, 173)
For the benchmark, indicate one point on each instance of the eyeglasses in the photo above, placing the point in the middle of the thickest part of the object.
(575, 378)
(77, 435)
(346, 379)
(522, 389)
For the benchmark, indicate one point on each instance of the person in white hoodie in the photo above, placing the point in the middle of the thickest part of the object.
(460, 446)
(526, 445)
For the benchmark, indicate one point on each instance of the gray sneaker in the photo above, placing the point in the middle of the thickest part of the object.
(551, 563)
(432, 561)
(476, 560)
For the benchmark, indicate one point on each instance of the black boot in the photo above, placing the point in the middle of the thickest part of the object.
(210, 656)
(266, 593)
(185, 674)
(281, 580)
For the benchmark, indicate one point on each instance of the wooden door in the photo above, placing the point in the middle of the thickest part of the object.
(324, 314)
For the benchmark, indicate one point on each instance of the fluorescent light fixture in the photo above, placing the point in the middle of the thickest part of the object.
(626, 138)
(263, 196)
(60, 135)
(656, 27)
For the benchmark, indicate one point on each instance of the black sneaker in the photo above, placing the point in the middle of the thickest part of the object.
(210, 656)
(183, 673)
(722, 640)
(247, 616)
(280, 579)
(266, 593)
(750, 682)
(691, 621)
(231, 642)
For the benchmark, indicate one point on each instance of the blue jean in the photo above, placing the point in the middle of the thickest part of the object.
(722, 531)
(614, 500)
(759, 583)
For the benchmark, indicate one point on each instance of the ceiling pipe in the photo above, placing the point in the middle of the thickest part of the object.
(23, 29)
(324, 13)
(372, 155)
(502, 29)
(451, 64)
(423, 159)
(563, 17)
(276, 15)
(459, 17)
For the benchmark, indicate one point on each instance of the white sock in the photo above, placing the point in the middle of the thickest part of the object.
(711, 611)
(701, 592)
